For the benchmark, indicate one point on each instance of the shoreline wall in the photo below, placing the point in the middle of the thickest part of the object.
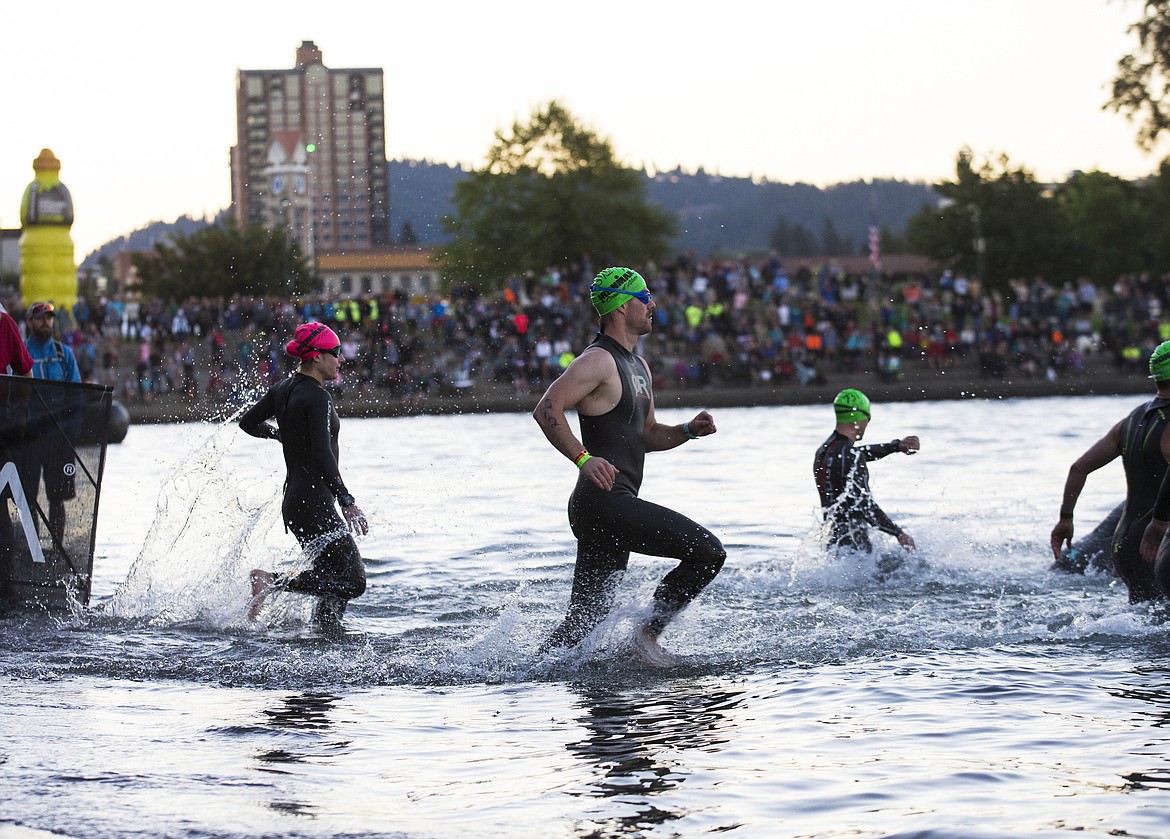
(487, 397)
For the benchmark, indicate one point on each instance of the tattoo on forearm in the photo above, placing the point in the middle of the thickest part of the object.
(548, 415)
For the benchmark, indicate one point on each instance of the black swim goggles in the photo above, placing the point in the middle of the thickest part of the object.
(643, 295)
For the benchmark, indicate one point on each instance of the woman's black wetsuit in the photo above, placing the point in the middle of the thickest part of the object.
(609, 525)
(307, 427)
(1145, 468)
(842, 478)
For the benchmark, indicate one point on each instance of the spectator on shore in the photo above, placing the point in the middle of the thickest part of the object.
(44, 452)
(770, 328)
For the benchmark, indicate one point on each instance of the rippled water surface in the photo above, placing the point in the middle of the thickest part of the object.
(972, 693)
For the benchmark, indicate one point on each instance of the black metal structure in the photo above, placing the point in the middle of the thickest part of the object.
(53, 438)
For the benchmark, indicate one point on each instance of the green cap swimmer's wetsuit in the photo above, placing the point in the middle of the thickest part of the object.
(609, 525)
(1145, 469)
(842, 477)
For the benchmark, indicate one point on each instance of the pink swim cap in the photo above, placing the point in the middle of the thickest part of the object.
(311, 339)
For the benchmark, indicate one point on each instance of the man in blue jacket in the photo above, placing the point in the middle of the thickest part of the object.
(48, 453)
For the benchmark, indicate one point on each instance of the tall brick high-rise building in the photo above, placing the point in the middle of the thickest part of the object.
(310, 153)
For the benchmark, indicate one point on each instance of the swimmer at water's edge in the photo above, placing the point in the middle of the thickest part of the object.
(841, 471)
(307, 427)
(611, 389)
(1142, 441)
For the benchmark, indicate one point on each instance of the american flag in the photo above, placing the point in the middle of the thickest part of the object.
(875, 247)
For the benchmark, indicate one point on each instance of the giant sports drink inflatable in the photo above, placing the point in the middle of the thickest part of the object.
(47, 269)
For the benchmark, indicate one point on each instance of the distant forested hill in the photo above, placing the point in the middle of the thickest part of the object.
(717, 215)
(145, 238)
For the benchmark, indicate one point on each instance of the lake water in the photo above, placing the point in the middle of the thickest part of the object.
(973, 693)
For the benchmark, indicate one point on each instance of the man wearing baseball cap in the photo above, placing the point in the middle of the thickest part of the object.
(48, 455)
(52, 359)
(1142, 441)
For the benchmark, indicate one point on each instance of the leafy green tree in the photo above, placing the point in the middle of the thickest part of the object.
(1104, 223)
(551, 193)
(1154, 196)
(995, 222)
(1141, 88)
(224, 260)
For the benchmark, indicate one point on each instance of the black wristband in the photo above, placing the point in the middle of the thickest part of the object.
(346, 500)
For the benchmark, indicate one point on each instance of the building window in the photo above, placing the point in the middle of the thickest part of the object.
(346, 284)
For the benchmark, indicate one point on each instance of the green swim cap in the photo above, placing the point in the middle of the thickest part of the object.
(606, 301)
(851, 406)
(1160, 362)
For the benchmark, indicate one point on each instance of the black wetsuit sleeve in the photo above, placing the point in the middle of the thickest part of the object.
(255, 419)
(320, 416)
(878, 450)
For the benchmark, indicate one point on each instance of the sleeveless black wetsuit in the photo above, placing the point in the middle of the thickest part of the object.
(609, 525)
(842, 477)
(307, 427)
(1145, 468)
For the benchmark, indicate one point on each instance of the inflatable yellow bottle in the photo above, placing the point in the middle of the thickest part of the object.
(47, 269)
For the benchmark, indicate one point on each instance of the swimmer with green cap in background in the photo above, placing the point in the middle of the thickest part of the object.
(1142, 441)
(842, 476)
(612, 391)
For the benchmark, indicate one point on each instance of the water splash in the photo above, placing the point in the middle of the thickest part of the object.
(214, 521)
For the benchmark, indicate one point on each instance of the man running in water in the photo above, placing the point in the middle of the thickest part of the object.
(611, 390)
(307, 428)
(842, 474)
(1142, 441)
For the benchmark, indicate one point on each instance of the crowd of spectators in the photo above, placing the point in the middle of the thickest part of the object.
(726, 323)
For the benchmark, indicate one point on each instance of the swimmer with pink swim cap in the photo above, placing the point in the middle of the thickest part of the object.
(311, 339)
(307, 427)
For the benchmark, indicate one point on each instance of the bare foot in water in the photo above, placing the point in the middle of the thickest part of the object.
(261, 580)
(647, 650)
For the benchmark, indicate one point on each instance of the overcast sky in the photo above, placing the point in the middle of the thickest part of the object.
(137, 99)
